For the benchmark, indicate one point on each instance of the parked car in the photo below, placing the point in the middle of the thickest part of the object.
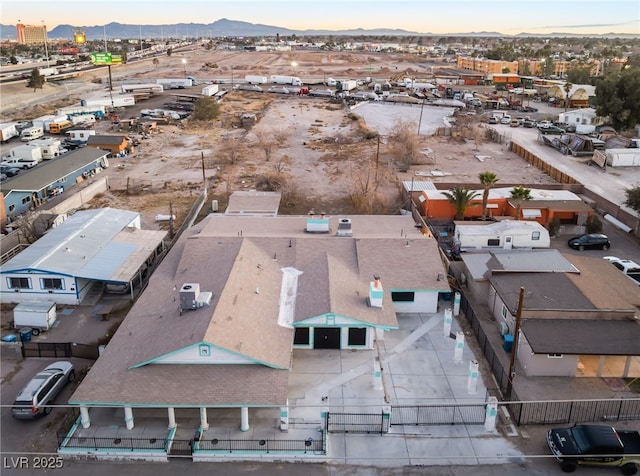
(590, 241)
(506, 119)
(493, 120)
(34, 399)
(9, 171)
(514, 123)
(630, 268)
(551, 130)
(529, 123)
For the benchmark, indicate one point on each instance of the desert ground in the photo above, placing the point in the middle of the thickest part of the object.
(324, 158)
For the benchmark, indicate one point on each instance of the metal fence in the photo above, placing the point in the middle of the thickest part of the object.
(444, 414)
(357, 422)
(59, 349)
(174, 447)
(574, 411)
(262, 446)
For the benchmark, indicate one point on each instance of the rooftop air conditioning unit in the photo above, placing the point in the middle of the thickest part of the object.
(344, 227)
(189, 294)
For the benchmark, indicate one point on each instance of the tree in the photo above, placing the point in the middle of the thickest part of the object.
(579, 75)
(169, 51)
(488, 180)
(205, 109)
(267, 138)
(618, 97)
(520, 194)
(36, 81)
(567, 89)
(405, 142)
(633, 197)
(460, 197)
(549, 67)
(156, 61)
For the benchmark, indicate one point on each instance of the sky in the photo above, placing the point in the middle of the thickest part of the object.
(508, 17)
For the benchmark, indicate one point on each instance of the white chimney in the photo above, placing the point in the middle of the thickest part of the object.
(375, 292)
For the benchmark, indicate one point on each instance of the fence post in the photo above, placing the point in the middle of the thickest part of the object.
(386, 419)
(491, 414)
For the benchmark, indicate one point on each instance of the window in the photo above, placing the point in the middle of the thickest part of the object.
(493, 242)
(51, 283)
(301, 336)
(357, 336)
(535, 235)
(403, 296)
(504, 311)
(554, 356)
(12, 207)
(26, 200)
(20, 283)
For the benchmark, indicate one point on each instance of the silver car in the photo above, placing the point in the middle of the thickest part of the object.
(41, 391)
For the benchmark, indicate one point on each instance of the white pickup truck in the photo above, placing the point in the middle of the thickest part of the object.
(20, 163)
(630, 268)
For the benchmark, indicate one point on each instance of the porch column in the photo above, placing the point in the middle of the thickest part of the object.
(457, 354)
(601, 366)
(284, 418)
(377, 374)
(244, 419)
(128, 417)
(84, 417)
(172, 417)
(627, 365)
(491, 412)
(204, 424)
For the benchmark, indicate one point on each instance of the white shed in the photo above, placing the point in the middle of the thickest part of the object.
(584, 119)
(505, 234)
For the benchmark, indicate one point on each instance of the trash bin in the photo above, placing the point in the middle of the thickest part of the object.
(25, 334)
(508, 342)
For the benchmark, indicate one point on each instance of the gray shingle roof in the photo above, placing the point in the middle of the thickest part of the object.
(240, 260)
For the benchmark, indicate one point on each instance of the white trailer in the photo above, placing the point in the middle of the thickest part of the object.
(348, 85)
(49, 147)
(210, 90)
(98, 111)
(505, 234)
(39, 316)
(81, 135)
(175, 83)
(40, 121)
(151, 88)
(8, 131)
(60, 118)
(116, 101)
(292, 80)
(619, 157)
(47, 71)
(27, 152)
(31, 133)
(254, 79)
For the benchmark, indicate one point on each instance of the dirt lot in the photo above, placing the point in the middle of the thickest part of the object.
(324, 158)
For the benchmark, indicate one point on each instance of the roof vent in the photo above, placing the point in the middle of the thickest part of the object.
(344, 227)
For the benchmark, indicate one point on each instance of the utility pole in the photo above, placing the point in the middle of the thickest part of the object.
(514, 348)
(204, 176)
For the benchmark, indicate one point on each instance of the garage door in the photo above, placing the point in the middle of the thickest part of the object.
(326, 338)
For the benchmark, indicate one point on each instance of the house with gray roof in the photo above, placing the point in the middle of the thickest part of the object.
(574, 308)
(91, 247)
(51, 178)
(218, 322)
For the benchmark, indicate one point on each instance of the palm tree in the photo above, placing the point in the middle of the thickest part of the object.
(460, 197)
(520, 194)
(567, 89)
(488, 180)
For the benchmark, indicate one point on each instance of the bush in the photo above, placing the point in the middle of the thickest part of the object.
(554, 226)
(594, 224)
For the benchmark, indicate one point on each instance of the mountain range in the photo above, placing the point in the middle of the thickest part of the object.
(233, 28)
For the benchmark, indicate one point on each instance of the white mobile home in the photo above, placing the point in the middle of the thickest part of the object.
(505, 234)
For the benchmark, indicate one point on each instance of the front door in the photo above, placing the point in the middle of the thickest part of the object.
(326, 338)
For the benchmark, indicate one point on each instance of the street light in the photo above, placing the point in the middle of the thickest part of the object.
(184, 66)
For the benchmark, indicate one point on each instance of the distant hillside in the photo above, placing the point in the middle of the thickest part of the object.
(233, 28)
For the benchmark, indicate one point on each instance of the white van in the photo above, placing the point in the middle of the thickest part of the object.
(31, 133)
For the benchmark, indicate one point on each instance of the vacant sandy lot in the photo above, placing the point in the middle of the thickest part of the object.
(322, 160)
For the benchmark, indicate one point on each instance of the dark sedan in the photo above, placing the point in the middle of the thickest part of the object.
(9, 171)
(590, 241)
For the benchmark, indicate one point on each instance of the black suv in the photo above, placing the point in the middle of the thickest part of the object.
(590, 241)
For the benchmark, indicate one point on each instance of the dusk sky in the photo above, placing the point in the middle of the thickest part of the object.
(423, 16)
